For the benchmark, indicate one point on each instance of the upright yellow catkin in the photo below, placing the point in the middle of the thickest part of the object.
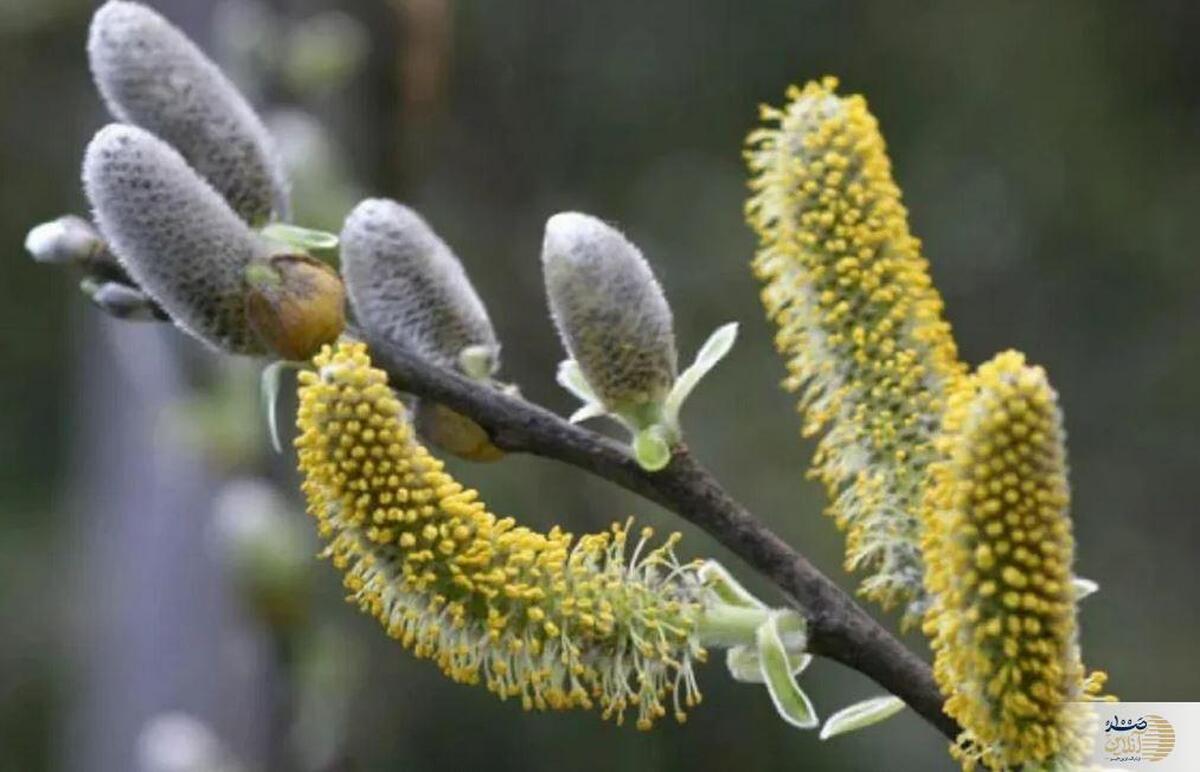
(998, 550)
(558, 622)
(860, 324)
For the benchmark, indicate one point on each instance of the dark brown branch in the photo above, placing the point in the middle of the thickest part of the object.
(839, 628)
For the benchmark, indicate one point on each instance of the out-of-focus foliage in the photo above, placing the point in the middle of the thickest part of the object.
(1049, 158)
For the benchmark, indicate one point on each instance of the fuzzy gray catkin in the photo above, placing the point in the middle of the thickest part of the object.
(407, 286)
(609, 310)
(174, 234)
(151, 75)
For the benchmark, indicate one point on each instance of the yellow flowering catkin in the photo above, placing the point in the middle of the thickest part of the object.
(859, 322)
(998, 550)
(556, 621)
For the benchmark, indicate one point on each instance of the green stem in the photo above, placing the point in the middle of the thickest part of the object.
(641, 416)
(723, 624)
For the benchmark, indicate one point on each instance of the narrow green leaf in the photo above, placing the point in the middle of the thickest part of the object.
(861, 714)
(713, 351)
(744, 665)
(302, 238)
(1084, 587)
(727, 589)
(272, 377)
(570, 377)
(790, 701)
(587, 412)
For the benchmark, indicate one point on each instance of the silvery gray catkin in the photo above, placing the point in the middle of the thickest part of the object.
(174, 234)
(151, 75)
(407, 286)
(609, 310)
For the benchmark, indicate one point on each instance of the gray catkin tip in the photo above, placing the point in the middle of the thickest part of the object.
(609, 309)
(65, 241)
(151, 75)
(407, 286)
(173, 233)
(121, 301)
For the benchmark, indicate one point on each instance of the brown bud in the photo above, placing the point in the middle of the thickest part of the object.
(295, 303)
(454, 432)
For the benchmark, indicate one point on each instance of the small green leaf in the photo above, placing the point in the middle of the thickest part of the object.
(301, 238)
(861, 714)
(570, 377)
(713, 351)
(727, 589)
(651, 449)
(799, 663)
(272, 377)
(793, 630)
(790, 701)
(478, 362)
(744, 665)
(1083, 587)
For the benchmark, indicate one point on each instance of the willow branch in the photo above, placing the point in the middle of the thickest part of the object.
(839, 628)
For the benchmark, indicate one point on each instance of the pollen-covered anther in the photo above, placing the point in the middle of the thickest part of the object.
(552, 620)
(859, 320)
(998, 548)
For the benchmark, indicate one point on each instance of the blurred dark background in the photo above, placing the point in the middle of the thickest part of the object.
(1050, 157)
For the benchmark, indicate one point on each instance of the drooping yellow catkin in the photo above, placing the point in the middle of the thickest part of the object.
(998, 550)
(859, 322)
(557, 621)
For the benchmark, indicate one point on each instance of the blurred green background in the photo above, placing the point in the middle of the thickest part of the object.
(1050, 157)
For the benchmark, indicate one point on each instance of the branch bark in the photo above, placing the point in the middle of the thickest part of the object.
(839, 628)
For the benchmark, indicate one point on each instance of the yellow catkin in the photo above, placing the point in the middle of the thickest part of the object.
(860, 324)
(555, 621)
(999, 549)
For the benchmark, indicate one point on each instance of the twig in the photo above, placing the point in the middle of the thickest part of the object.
(839, 628)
